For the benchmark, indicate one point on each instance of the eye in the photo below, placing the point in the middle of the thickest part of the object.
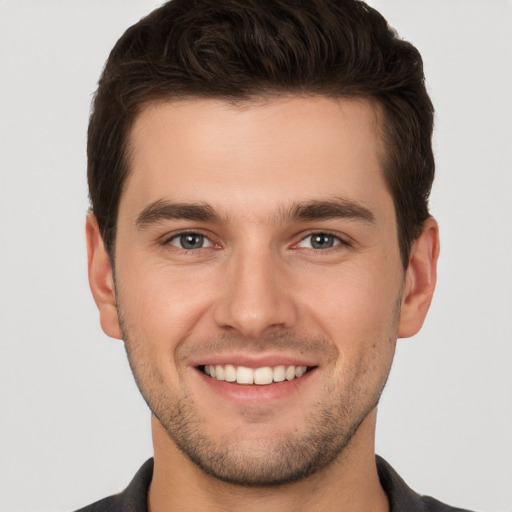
(190, 241)
(319, 241)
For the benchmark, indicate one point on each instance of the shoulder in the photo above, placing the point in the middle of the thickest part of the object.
(110, 504)
(402, 498)
(132, 499)
(432, 505)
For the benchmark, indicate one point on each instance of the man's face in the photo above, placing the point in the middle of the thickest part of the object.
(259, 240)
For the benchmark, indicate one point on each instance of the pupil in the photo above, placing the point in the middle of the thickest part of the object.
(322, 241)
(191, 241)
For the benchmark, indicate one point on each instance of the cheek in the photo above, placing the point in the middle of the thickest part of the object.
(356, 305)
(162, 303)
(360, 316)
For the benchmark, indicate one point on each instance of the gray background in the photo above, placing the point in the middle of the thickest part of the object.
(73, 427)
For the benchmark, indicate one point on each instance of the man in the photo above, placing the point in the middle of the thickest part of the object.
(259, 173)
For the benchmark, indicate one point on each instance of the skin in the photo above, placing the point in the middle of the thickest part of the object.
(257, 291)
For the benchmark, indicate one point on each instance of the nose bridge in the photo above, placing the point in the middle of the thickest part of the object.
(254, 294)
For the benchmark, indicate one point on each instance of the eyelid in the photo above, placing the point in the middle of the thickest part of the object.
(340, 240)
(168, 238)
(177, 239)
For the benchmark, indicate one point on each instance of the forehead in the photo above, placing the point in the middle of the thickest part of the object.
(255, 155)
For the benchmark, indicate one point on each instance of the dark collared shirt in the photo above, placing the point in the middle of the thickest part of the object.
(401, 497)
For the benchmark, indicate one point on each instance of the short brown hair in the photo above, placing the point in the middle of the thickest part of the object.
(242, 49)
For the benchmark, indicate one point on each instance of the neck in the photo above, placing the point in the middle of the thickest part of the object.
(349, 483)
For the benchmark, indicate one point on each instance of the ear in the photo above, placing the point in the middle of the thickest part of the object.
(420, 280)
(101, 280)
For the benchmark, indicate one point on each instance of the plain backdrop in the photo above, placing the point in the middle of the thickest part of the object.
(73, 426)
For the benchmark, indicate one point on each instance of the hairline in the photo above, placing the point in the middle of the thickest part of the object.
(259, 98)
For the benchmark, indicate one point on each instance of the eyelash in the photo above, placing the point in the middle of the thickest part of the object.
(182, 234)
(338, 242)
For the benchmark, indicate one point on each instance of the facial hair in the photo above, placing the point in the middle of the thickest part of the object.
(275, 459)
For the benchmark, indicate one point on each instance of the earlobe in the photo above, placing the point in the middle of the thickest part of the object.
(101, 279)
(420, 280)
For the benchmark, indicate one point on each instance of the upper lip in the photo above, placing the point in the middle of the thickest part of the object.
(255, 361)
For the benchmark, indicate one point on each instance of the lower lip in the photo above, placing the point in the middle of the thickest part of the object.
(255, 393)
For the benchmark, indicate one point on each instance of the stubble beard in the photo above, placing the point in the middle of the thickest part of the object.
(280, 461)
(328, 428)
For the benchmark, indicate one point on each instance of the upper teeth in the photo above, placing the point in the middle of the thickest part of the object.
(260, 376)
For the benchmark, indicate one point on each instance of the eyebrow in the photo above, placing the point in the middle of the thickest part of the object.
(162, 210)
(330, 209)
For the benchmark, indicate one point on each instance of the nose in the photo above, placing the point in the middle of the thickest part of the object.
(256, 295)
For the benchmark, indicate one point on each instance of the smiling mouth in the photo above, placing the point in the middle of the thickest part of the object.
(254, 376)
